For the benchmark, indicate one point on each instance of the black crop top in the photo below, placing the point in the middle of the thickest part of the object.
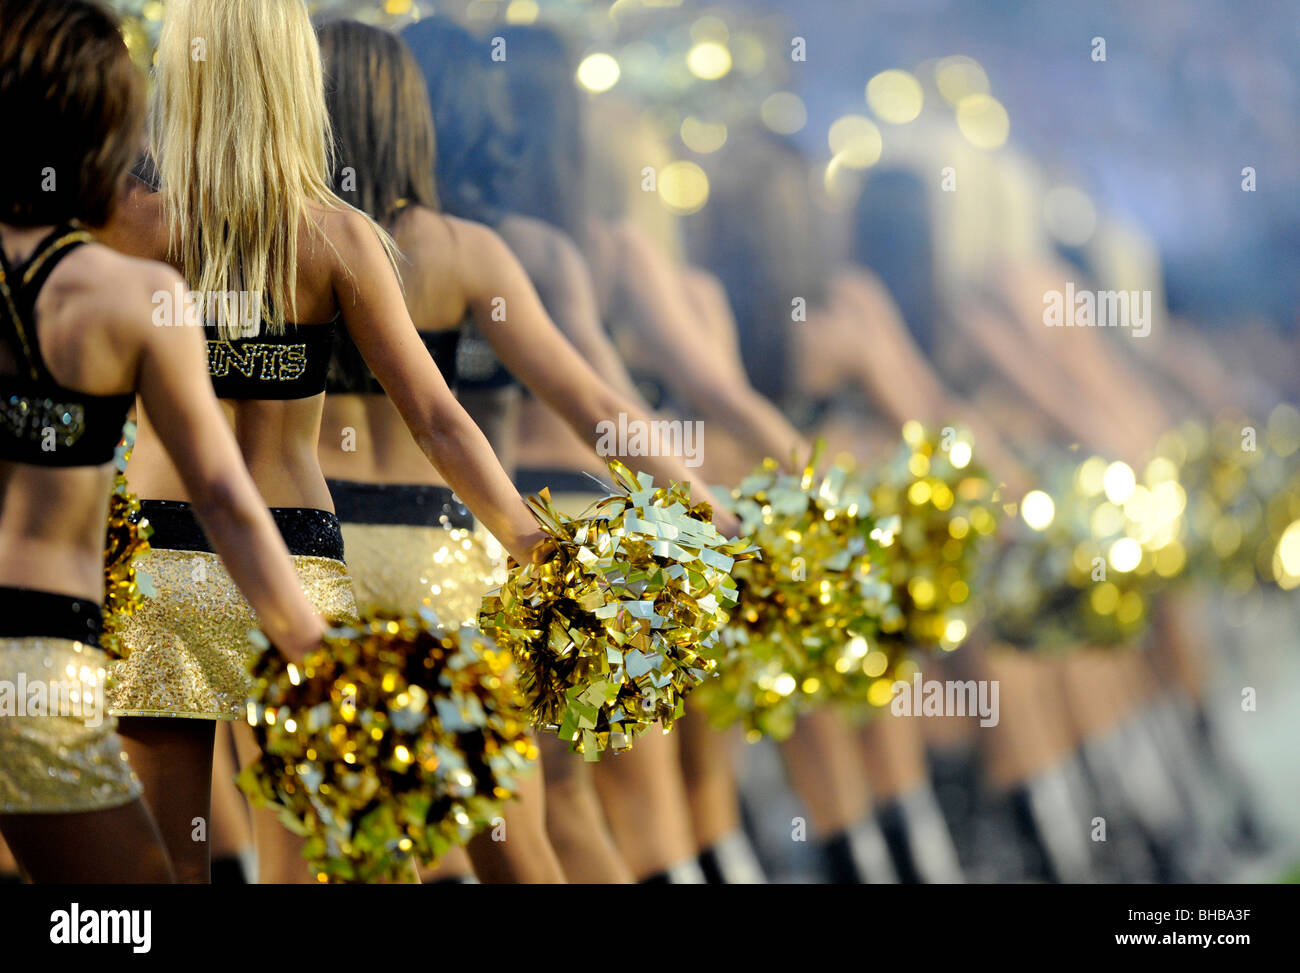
(350, 375)
(43, 423)
(291, 365)
(477, 366)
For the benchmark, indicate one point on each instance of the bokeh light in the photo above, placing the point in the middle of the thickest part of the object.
(598, 72)
(895, 96)
(983, 121)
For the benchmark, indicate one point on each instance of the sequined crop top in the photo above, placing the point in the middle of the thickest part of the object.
(43, 423)
(478, 368)
(350, 375)
(291, 365)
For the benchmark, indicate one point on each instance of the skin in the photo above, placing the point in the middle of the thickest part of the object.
(647, 292)
(231, 828)
(643, 792)
(277, 439)
(451, 267)
(457, 266)
(93, 321)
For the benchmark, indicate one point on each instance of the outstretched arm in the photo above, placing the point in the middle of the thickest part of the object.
(375, 313)
(532, 347)
(650, 290)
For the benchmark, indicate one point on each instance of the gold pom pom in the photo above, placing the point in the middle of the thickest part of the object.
(946, 508)
(611, 632)
(125, 588)
(1091, 547)
(809, 608)
(396, 739)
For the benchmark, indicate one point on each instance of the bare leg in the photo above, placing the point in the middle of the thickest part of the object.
(515, 849)
(279, 851)
(8, 867)
(645, 804)
(708, 758)
(1030, 736)
(824, 765)
(232, 833)
(574, 820)
(894, 753)
(173, 759)
(119, 845)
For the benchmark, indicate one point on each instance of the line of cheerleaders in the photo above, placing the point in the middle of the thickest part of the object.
(573, 713)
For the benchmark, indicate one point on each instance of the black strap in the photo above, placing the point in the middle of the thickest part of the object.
(20, 284)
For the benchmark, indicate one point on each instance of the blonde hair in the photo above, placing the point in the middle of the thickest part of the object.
(243, 145)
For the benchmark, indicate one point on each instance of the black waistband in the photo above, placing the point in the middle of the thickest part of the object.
(528, 482)
(26, 613)
(307, 532)
(405, 504)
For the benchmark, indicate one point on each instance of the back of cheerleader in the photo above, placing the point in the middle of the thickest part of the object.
(59, 751)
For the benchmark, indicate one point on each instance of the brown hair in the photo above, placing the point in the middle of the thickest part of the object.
(383, 127)
(74, 101)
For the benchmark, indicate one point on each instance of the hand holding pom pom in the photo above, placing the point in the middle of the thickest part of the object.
(396, 739)
(610, 633)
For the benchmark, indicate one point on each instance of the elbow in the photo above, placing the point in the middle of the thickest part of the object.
(223, 503)
(442, 432)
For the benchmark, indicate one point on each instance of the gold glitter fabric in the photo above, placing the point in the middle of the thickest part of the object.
(399, 569)
(59, 749)
(124, 588)
(188, 645)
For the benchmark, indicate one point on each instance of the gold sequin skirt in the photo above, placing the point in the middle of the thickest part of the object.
(59, 748)
(398, 569)
(187, 647)
(414, 545)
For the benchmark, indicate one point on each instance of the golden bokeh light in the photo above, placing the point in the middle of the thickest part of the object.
(983, 121)
(783, 112)
(1038, 510)
(709, 60)
(856, 140)
(959, 77)
(684, 187)
(895, 96)
(701, 136)
(598, 72)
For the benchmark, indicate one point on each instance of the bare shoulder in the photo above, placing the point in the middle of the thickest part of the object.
(138, 226)
(99, 282)
(549, 256)
(475, 240)
(99, 314)
(533, 240)
(348, 230)
(426, 237)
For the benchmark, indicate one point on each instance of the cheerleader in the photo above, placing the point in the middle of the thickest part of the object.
(1042, 761)
(76, 330)
(461, 272)
(645, 798)
(246, 212)
(468, 117)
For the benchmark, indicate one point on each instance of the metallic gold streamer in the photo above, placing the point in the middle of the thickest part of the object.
(809, 608)
(127, 535)
(614, 629)
(397, 739)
